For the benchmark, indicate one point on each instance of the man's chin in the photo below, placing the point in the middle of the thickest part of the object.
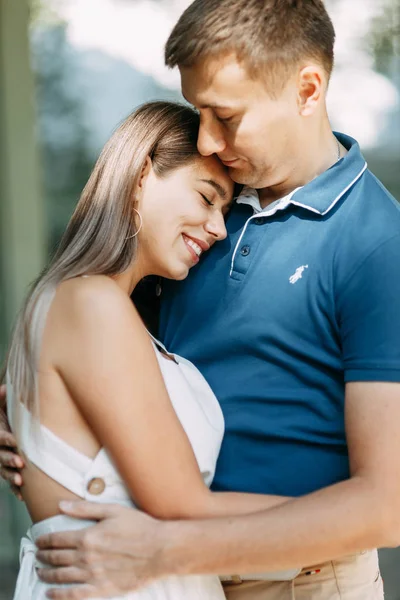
(242, 177)
(238, 175)
(250, 178)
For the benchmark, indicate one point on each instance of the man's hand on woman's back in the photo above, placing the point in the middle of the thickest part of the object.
(10, 462)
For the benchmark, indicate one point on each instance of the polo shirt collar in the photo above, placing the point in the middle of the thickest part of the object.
(322, 193)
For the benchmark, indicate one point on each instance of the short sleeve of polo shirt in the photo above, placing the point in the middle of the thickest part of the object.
(369, 316)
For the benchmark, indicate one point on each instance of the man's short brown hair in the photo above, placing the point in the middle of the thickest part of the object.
(268, 36)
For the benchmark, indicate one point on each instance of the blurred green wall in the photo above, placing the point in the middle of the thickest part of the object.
(22, 222)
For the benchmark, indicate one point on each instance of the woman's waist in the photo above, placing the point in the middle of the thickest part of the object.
(42, 493)
(28, 548)
(54, 524)
(58, 523)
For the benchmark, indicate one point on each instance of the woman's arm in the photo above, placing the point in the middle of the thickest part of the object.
(108, 364)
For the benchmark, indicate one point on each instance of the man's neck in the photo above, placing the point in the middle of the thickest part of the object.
(319, 157)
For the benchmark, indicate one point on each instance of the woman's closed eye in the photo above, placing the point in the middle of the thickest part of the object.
(206, 200)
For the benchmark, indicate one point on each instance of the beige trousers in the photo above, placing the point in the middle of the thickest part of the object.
(355, 577)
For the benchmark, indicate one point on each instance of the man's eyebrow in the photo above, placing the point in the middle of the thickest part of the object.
(212, 105)
(217, 187)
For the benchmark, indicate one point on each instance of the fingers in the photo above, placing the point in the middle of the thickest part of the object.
(12, 476)
(10, 463)
(10, 459)
(7, 439)
(89, 510)
(75, 593)
(61, 540)
(78, 538)
(60, 558)
(63, 575)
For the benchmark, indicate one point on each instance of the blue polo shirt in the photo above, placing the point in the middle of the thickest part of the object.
(298, 300)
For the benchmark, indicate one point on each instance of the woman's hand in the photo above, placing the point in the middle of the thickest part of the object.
(10, 462)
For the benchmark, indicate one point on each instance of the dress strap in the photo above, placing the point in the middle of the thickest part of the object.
(157, 342)
(162, 349)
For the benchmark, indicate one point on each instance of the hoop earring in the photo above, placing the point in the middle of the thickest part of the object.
(140, 226)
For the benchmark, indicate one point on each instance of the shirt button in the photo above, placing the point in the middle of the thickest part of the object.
(96, 486)
(258, 221)
(245, 251)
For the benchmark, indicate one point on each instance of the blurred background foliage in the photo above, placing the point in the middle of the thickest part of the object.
(383, 40)
(71, 78)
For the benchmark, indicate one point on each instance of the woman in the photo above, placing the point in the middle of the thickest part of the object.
(100, 410)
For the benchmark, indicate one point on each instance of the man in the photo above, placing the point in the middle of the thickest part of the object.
(294, 321)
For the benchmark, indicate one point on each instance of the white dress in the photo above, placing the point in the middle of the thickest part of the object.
(99, 481)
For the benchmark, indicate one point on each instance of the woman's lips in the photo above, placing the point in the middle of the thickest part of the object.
(193, 248)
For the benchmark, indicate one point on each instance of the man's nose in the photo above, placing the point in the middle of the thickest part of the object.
(210, 140)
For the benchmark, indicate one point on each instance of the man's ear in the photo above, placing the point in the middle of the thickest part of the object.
(147, 167)
(311, 83)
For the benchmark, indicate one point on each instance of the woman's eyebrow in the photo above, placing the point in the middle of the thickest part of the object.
(217, 187)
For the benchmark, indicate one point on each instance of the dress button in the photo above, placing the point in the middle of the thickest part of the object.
(245, 251)
(96, 486)
(258, 221)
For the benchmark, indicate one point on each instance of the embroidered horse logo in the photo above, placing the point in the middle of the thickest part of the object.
(298, 274)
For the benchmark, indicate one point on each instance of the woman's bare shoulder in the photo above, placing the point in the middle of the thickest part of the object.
(97, 299)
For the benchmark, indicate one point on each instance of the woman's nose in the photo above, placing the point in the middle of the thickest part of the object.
(216, 227)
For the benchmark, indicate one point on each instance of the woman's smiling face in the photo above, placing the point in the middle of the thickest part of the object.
(183, 215)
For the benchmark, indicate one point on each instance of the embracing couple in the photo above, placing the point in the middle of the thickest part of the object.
(276, 380)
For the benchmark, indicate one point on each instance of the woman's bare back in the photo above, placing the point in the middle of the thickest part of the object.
(59, 413)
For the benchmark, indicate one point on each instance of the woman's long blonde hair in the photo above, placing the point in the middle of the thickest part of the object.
(98, 238)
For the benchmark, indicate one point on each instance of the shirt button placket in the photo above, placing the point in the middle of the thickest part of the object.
(250, 239)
